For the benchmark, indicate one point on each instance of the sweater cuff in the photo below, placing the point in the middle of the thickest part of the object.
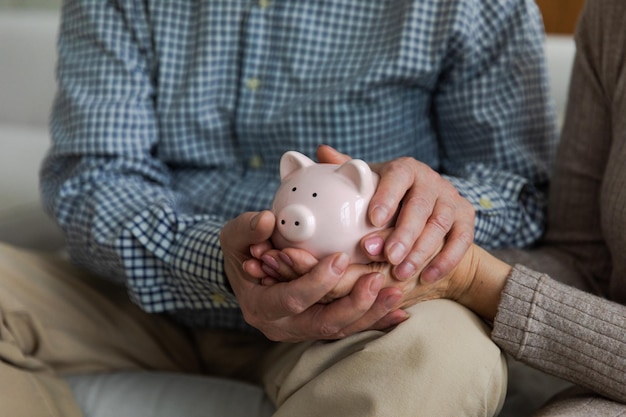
(515, 311)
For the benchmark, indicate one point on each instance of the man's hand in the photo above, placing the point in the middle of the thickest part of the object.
(430, 212)
(292, 311)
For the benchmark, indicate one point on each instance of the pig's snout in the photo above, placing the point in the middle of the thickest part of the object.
(296, 223)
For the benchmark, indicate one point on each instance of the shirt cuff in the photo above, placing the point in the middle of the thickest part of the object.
(198, 262)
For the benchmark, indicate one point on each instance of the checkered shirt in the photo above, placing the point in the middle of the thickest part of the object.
(171, 117)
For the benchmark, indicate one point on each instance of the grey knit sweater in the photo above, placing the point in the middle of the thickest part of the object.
(554, 322)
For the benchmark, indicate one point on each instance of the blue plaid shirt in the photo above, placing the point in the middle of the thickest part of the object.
(171, 117)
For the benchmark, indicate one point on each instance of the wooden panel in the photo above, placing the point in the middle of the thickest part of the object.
(560, 16)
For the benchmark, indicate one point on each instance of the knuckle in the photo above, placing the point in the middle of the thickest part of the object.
(253, 320)
(328, 331)
(442, 222)
(432, 175)
(273, 336)
(444, 265)
(466, 237)
(401, 165)
(292, 305)
(469, 208)
(418, 204)
(417, 256)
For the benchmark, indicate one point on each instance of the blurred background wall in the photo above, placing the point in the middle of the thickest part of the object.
(40, 4)
(560, 16)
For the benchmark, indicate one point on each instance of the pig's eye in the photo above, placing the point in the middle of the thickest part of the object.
(294, 189)
(314, 194)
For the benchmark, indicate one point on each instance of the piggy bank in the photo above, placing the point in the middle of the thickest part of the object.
(322, 208)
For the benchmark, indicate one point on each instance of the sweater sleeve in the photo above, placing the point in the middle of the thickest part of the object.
(563, 331)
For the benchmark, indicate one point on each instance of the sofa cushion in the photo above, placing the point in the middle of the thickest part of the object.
(22, 219)
(161, 394)
(28, 59)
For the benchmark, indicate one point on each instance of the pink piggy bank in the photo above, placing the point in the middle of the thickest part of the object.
(322, 208)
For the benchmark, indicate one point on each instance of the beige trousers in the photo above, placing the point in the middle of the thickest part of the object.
(56, 319)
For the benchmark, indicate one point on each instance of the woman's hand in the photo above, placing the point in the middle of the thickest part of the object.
(292, 311)
(476, 281)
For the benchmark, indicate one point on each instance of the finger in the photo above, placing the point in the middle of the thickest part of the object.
(339, 317)
(390, 320)
(272, 273)
(248, 229)
(458, 242)
(253, 267)
(373, 244)
(259, 249)
(235, 239)
(329, 155)
(396, 178)
(286, 267)
(381, 315)
(294, 297)
(353, 274)
(269, 281)
(300, 260)
(276, 267)
(427, 243)
(412, 218)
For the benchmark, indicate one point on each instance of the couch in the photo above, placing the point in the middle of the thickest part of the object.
(27, 58)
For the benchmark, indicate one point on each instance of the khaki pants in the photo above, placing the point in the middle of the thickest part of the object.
(56, 319)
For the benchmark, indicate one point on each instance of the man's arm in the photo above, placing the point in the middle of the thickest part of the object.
(497, 139)
(125, 218)
(102, 181)
(496, 122)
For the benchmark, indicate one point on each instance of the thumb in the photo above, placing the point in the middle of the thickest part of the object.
(261, 226)
(247, 229)
(329, 155)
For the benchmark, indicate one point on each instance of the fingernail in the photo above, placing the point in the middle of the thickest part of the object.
(405, 270)
(374, 245)
(255, 221)
(270, 272)
(271, 262)
(401, 316)
(340, 263)
(391, 301)
(268, 281)
(396, 253)
(379, 215)
(285, 258)
(376, 284)
(430, 274)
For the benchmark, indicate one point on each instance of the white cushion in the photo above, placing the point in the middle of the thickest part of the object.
(22, 220)
(560, 51)
(23, 149)
(161, 394)
(27, 62)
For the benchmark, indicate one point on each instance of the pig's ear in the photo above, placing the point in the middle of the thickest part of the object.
(360, 174)
(292, 161)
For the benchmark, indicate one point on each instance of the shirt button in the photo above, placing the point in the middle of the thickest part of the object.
(253, 83)
(485, 203)
(263, 4)
(255, 162)
(218, 298)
